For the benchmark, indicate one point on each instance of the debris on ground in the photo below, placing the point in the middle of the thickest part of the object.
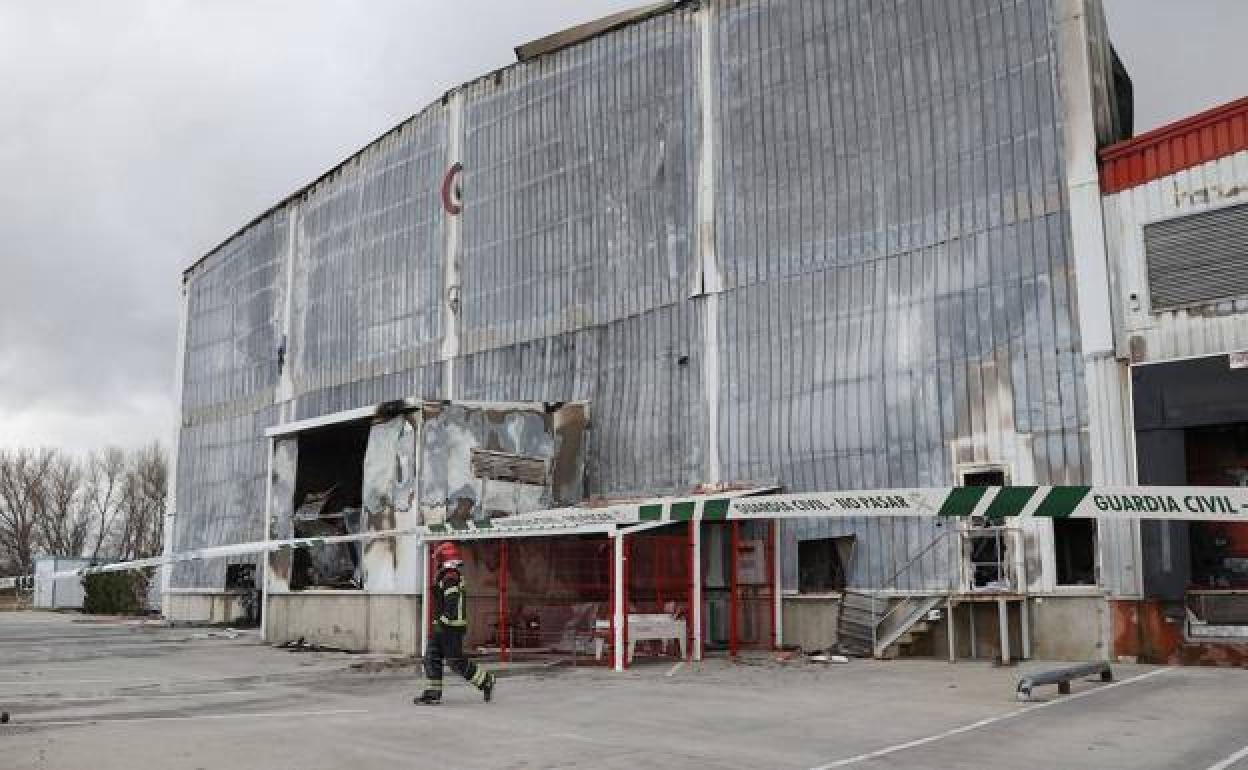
(822, 657)
(302, 645)
(227, 633)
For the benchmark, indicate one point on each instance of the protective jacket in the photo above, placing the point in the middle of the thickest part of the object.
(450, 601)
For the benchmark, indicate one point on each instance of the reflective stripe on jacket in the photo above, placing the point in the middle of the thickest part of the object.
(450, 597)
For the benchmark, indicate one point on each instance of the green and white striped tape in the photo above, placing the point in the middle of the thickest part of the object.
(994, 503)
(991, 503)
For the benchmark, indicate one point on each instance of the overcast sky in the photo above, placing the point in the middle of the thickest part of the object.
(134, 136)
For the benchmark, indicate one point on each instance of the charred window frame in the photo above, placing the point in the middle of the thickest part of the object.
(987, 550)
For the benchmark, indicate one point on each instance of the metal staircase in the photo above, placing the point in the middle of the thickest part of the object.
(885, 622)
(872, 626)
(882, 623)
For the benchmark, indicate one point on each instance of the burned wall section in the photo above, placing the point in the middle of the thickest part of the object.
(229, 377)
(894, 242)
(366, 316)
(452, 484)
(578, 256)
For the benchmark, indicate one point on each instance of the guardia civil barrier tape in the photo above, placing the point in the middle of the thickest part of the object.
(994, 503)
(1229, 504)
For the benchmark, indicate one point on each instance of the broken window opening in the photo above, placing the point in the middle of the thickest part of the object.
(1074, 549)
(240, 577)
(822, 564)
(329, 501)
(987, 545)
(984, 477)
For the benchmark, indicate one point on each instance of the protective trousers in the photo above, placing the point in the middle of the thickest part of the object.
(447, 646)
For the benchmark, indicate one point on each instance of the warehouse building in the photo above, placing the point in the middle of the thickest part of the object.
(1176, 223)
(736, 243)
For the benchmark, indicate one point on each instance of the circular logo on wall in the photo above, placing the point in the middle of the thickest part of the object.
(452, 189)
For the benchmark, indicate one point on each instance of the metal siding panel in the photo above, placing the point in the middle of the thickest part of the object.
(368, 269)
(648, 422)
(1003, 306)
(599, 204)
(1187, 143)
(1214, 327)
(230, 372)
(1197, 259)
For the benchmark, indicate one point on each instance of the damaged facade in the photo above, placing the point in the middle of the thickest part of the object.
(819, 245)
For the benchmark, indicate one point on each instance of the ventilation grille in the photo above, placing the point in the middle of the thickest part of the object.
(503, 466)
(1197, 259)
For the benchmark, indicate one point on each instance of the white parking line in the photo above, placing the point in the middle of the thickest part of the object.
(115, 696)
(1231, 760)
(989, 721)
(108, 720)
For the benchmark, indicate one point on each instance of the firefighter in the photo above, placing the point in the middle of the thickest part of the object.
(449, 602)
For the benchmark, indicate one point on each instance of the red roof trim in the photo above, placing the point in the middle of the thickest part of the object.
(1201, 138)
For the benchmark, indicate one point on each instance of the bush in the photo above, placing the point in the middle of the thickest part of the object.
(115, 593)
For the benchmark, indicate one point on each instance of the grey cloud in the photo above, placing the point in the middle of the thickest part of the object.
(134, 136)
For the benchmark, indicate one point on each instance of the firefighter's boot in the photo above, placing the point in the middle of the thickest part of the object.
(487, 687)
(429, 698)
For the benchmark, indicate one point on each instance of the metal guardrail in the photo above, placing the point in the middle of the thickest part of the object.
(1062, 678)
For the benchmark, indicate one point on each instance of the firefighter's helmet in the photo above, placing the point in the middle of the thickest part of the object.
(446, 555)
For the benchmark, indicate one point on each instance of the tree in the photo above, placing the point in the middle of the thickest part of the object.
(111, 503)
(106, 471)
(62, 518)
(22, 474)
(142, 505)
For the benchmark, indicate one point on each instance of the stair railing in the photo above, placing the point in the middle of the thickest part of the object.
(891, 583)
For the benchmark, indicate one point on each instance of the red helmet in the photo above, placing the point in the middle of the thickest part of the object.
(445, 553)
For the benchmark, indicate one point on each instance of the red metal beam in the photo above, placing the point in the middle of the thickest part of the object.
(732, 590)
(628, 574)
(503, 653)
(690, 606)
(770, 549)
(1203, 137)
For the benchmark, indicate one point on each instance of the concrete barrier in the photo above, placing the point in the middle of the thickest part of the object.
(1062, 678)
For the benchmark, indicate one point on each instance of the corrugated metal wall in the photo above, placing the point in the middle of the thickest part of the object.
(889, 229)
(1215, 327)
(578, 247)
(366, 320)
(230, 373)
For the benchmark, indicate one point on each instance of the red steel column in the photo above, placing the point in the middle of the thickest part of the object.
(628, 573)
(690, 606)
(732, 591)
(771, 577)
(503, 654)
(611, 590)
(658, 573)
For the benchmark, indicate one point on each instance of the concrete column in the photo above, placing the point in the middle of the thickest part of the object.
(1003, 628)
(424, 598)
